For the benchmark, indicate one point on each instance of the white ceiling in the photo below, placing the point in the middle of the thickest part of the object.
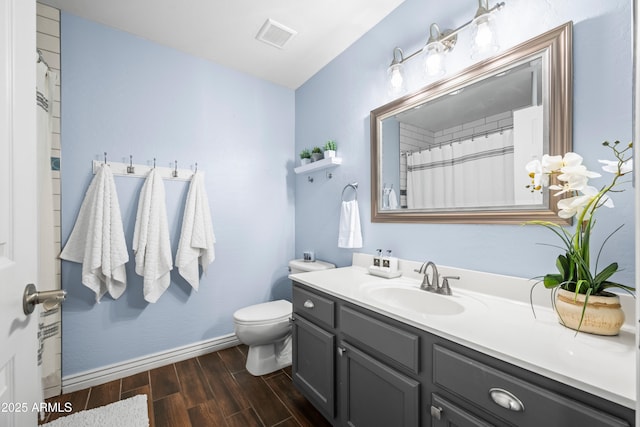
(224, 31)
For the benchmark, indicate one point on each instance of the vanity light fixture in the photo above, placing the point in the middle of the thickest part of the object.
(396, 73)
(441, 42)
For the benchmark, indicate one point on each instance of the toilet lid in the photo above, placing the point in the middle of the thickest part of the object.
(267, 311)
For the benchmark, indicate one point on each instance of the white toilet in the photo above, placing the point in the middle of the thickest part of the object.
(265, 327)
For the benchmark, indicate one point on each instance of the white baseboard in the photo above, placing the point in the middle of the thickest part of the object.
(123, 369)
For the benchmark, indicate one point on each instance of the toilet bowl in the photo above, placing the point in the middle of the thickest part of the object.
(265, 328)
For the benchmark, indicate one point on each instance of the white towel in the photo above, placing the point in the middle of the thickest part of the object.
(151, 244)
(393, 199)
(349, 234)
(196, 238)
(97, 239)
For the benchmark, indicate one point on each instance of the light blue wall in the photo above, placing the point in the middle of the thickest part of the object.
(336, 103)
(127, 96)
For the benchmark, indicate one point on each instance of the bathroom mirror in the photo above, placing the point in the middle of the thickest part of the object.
(455, 151)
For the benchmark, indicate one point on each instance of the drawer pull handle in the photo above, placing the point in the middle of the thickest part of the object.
(506, 400)
(436, 412)
(309, 304)
(341, 351)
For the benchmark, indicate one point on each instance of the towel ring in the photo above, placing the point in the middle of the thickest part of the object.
(353, 185)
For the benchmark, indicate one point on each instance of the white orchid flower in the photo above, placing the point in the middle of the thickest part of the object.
(612, 166)
(574, 171)
(538, 179)
(593, 192)
(551, 163)
(575, 182)
(571, 206)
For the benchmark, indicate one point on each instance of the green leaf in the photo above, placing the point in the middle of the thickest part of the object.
(552, 280)
(606, 273)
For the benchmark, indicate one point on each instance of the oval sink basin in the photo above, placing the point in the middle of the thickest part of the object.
(417, 300)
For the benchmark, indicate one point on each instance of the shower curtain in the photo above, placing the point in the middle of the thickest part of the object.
(466, 174)
(49, 360)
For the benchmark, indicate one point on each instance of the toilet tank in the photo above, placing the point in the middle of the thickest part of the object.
(301, 266)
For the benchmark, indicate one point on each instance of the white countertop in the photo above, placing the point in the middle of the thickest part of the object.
(498, 321)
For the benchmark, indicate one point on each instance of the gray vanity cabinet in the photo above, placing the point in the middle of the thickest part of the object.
(313, 365)
(373, 394)
(447, 414)
(313, 355)
(364, 369)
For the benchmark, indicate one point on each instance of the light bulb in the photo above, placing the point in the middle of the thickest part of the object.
(396, 79)
(484, 36)
(434, 61)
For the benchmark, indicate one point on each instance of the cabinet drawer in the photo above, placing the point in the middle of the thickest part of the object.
(313, 306)
(394, 343)
(511, 398)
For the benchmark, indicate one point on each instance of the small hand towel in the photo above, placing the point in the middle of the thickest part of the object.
(196, 246)
(349, 234)
(393, 199)
(97, 239)
(151, 244)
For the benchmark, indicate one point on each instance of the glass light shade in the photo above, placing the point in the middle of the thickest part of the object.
(396, 79)
(484, 37)
(434, 64)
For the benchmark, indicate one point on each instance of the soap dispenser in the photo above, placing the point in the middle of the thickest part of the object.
(390, 262)
(377, 259)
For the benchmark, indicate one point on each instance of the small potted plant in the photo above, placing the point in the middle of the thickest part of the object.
(330, 148)
(316, 154)
(305, 157)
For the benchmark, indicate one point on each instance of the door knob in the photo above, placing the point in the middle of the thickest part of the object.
(48, 299)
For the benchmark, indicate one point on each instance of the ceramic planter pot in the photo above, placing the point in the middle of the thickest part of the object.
(603, 315)
(329, 153)
(316, 156)
(305, 161)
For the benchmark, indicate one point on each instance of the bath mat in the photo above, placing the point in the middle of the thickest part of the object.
(130, 412)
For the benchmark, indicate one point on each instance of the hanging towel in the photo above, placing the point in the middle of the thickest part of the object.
(196, 238)
(97, 239)
(393, 199)
(151, 238)
(349, 234)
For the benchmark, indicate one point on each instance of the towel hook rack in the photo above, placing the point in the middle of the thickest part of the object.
(175, 170)
(131, 168)
(105, 157)
(196, 168)
(353, 185)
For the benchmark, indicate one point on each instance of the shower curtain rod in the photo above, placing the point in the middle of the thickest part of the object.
(464, 138)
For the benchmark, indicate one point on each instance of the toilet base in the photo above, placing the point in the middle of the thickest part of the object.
(267, 358)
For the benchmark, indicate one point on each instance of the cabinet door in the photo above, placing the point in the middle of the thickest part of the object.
(446, 414)
(313, 365)
(373, 394)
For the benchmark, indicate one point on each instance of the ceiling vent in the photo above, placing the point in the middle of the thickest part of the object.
(275, 34)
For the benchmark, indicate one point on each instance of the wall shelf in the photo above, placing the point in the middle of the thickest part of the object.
(318, 165)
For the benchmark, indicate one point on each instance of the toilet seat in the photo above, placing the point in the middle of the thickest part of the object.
(264, 314)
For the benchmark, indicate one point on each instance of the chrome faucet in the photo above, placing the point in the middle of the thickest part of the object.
(427, 284)
(445, 289)
(433, 285)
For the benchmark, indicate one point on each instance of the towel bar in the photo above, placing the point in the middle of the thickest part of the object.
(353, 185)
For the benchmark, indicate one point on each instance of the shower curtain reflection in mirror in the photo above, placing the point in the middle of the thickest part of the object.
(464, 174)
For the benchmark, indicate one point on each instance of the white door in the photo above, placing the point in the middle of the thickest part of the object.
(19, 380)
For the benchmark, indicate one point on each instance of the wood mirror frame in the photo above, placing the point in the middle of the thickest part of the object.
(556, 46)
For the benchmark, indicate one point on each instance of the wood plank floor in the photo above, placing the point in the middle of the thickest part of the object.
(210, 390)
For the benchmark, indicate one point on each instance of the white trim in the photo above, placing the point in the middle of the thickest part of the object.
(129, 367)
